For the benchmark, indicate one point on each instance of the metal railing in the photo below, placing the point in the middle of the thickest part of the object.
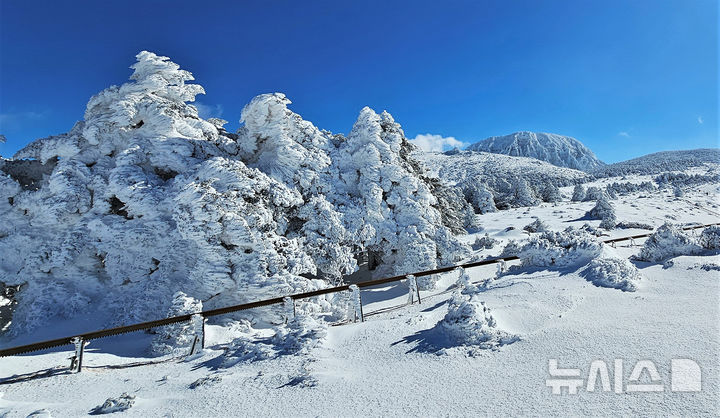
(80, 339)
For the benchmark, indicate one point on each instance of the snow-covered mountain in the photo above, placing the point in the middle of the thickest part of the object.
(562, 151)
(661, 161)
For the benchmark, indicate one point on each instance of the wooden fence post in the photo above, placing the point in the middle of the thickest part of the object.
(76, 360)
(197, 322)
(357, 302)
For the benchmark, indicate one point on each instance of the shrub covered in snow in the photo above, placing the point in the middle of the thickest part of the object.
(536, 226)
(484, 242)
(589, 229)
(628, 187)
(678, 180)
(578, 193)
(604, 211)
(710, 238)
(512, 248)
(632, 224)
(300, 335)
(480, 197)
(550, 193)
(566, 248)
(594, 193)
(463, 283)
(667, 242)
(468, 322)
(180, 336)
(617, 273)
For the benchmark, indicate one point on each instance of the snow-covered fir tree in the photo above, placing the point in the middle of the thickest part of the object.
(578, 193)
(550, 193)
(143, 198)
(480, 197)
(523, 194)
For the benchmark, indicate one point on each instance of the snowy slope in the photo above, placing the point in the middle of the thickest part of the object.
(458, 167)
(562, 151)
(390, 364)
(662, 161)
(499, 175)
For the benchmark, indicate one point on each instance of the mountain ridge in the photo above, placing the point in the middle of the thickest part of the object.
(559, 150)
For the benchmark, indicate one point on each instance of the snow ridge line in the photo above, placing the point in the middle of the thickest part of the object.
(94, 335)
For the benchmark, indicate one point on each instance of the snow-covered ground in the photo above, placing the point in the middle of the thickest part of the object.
(399, 363)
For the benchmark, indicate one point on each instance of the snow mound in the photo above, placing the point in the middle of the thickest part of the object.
(111, 405)
(560, 249)
(710, 238)
(615, 273)
(667, 242)
(562, 151)
(468, 322)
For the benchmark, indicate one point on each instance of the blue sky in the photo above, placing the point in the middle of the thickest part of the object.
(625, 77)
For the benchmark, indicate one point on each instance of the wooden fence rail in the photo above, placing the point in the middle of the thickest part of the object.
(94, 335)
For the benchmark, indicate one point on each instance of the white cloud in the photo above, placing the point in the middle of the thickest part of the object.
(437, 143)
(623, 133)
(209, 111)
(700, 120)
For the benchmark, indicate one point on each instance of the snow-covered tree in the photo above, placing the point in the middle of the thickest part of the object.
(604, 211)
(143, 198)
(550, 193)
(522, 193)
(678, 191)
(594, 193)
(480, 197)
(578, 193)
(388, 205)
(171, 338)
